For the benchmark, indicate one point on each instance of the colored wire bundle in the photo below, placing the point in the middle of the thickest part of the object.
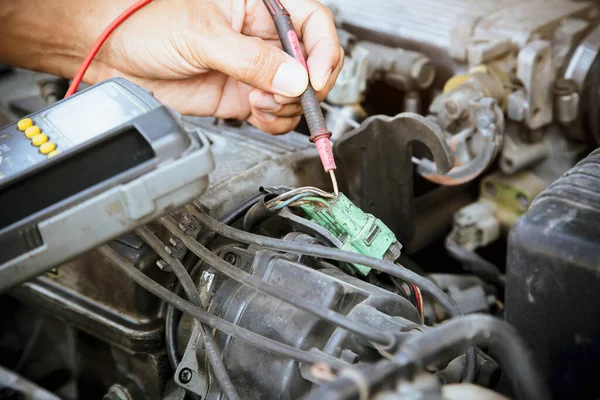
(296, 197)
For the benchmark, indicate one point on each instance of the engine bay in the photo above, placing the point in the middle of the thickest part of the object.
(459, 259)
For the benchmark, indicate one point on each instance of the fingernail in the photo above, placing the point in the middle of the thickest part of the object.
(266, 102)
(290, 79)
(266, 116)
(325, 79)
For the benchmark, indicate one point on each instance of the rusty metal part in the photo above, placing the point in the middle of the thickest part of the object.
(487, 125)
(378, 172)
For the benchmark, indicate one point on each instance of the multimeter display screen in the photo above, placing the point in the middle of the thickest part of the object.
(94, 112)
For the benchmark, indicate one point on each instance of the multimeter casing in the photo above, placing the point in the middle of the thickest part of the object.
(99, 186)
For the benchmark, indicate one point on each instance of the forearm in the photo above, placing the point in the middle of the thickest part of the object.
(52, 35)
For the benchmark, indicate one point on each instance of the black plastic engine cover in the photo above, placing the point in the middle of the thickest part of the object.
(553, 281)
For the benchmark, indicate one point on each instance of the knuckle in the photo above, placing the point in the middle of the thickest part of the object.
(257, 65)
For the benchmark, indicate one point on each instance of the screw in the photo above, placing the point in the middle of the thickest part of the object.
(230, 258)
(185, 375)
(451, 108)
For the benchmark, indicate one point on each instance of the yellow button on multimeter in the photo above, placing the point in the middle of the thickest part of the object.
(32, 132)
(47, 148)
(54, 153)
(39, 139)
(24, 123)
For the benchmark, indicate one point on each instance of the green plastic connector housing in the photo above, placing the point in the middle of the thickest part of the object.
(358, 231)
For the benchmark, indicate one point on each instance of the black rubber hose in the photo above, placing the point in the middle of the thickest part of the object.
(345, 256)
(365, 381)
(232, 216)
(452, 336)
(212, 351)
(171, 331)
(503, 341)
(256, 283)
(173, 315)
(224, 326)
(257, 214)
(330, 253)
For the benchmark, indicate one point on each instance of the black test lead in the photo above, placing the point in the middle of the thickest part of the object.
(319, 134)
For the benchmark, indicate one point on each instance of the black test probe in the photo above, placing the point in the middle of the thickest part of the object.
(319, 134)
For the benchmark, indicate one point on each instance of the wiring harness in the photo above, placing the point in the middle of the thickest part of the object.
(388, 342)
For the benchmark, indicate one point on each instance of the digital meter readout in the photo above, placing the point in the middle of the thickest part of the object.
(95, 112)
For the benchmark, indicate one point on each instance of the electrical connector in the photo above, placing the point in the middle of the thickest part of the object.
(358, 231)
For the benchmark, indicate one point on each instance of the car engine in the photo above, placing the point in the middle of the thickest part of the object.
(459, 261)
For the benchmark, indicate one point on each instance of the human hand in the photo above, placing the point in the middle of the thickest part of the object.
(221, 57)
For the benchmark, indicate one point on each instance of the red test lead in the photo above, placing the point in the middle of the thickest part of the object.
(319, 134)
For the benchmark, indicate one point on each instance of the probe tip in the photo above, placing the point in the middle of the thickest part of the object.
(336, 190)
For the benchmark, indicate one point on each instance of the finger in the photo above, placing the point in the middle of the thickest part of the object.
(252, 61)
(322, 94)
(273, 125)
(316, 27)
(263, 101)
(288, 111)
(286, 100)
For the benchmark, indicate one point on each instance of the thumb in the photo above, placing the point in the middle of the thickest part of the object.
(258, 64)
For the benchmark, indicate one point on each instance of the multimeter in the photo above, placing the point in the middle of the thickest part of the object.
(88, 169)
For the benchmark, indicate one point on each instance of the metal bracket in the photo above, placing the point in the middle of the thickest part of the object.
(489, 126)
(187, 375)
(378, 171)
(534, 103)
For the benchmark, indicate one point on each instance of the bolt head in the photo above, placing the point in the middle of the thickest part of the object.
(230, 258)
(185, 375)
(452, 109)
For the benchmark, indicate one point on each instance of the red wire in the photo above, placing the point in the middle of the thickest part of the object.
(98, 44)
(419, 299)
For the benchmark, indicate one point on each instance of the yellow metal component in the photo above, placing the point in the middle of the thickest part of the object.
(455, 82)
(54, 153)
(39, 139)
(511, 195)
(479, 68)
(24, 124)
(32, 132)
(47, 148)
